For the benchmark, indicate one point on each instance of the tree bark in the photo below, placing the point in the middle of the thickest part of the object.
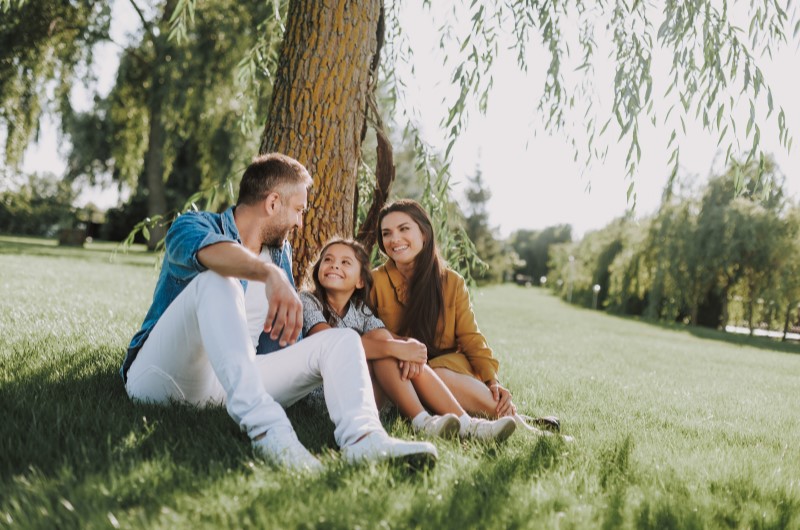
(154, 170)
(154, 157)
(318, 110)
(789, 308)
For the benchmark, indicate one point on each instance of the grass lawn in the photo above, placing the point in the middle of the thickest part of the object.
(674, 428)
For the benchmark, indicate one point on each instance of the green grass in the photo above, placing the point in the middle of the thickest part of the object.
(674, 428)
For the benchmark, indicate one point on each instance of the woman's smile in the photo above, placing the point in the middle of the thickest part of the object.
(402, 237)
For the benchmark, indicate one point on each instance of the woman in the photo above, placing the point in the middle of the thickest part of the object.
(416, 295)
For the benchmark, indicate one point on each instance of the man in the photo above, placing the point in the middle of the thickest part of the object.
(195, 347)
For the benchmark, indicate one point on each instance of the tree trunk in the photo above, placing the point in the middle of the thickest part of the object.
(786, 320)
(154, 157)
(154, 171)
(318, 110)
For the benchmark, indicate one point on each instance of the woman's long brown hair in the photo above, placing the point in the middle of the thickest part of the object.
(360, 298)
(425, 294)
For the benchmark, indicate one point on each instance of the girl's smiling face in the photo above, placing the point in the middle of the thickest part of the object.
(402, 238)
(340, 270)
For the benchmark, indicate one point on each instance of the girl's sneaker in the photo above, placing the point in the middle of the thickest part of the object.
(486, 430)
(445, 426)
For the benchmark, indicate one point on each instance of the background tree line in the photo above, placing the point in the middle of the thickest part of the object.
(708, 257)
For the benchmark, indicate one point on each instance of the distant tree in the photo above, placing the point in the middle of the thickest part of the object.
(786, 290)
(498, 256)
(45, 49)
(723, 238)
(630, 278)
(703, 259)
(40, 206)
(533, 248)
(171, 124)
(577, 267)
(758, 241)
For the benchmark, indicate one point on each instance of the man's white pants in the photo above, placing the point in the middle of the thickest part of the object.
(200, 352)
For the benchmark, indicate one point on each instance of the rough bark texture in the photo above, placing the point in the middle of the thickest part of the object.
(154, 158)
(384, 177)
(317, 111)
(154, 167)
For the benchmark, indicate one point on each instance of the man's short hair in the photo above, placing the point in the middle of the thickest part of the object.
(269, 172)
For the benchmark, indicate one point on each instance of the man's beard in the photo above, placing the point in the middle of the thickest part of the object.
(274, 236)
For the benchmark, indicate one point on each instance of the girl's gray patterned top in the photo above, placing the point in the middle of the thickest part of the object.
(359, 318)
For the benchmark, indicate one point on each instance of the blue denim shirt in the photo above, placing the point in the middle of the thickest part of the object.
(190, 233)
(282, 257)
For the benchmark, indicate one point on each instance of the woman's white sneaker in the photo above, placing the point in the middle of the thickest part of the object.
(486, 430)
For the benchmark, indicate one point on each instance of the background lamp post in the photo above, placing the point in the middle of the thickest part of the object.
(571, 276)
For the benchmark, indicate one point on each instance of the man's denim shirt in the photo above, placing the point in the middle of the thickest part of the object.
(190, 233)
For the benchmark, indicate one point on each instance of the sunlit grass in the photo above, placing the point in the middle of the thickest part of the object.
(674, 428)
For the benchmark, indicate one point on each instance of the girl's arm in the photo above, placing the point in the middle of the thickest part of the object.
(316, 328)
(380, 344)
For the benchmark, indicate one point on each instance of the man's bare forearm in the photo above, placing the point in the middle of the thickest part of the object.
(234, 260)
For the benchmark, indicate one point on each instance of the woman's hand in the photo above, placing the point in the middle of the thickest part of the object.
(410, 350)
(501, 395)
(410, 370)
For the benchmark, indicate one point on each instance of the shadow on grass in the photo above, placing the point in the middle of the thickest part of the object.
(479, 497)
(78, 415)
(95, 252)
(69, 431)
(736, 339)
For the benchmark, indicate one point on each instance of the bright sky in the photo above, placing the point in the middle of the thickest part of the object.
(532, 176)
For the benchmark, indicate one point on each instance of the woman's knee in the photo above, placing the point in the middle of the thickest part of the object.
(444, 374)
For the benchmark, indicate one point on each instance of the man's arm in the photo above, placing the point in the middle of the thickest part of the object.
(285, 315)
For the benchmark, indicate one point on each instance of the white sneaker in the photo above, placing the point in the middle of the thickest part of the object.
(379, 446)
(445, 426)
(281, 447)
(497, 430)
(520, 421)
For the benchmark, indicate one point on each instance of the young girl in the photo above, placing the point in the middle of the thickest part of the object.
(342, 283)
(416, 295)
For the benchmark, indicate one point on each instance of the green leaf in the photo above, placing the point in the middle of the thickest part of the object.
(769, 102)
(722, 135)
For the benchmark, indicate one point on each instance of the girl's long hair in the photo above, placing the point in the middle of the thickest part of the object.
(425, 302)
(360, 298)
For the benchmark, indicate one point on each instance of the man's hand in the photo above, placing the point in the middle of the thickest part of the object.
(285, 314)
(501, 395)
